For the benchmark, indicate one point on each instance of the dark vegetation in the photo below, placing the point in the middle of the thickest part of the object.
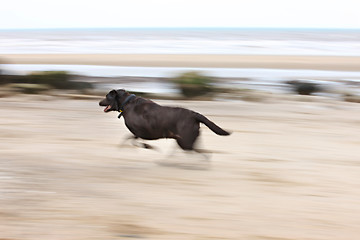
(304, 88)
(193, 84)
(41, 81)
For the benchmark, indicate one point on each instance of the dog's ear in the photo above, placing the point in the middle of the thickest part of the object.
(121, 91)
(113, 93)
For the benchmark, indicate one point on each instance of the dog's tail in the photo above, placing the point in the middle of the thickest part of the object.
(213, 127)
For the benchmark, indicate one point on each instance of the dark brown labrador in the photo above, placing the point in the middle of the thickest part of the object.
(148, 120)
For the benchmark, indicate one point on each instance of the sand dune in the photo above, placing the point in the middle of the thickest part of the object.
(342, 63)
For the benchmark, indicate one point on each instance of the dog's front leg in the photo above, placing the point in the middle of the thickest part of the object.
(126, 139)
(136, 143)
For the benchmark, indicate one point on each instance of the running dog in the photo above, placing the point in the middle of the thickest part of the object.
(149, 120)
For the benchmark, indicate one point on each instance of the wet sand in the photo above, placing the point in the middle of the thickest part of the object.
(341, 63)
(289, 171)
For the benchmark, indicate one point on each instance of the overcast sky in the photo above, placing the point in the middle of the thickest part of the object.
(179, 13)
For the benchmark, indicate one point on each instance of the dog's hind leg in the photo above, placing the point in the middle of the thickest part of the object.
(187, 137)
(188, 141)
(190, 144)
(185, 159)
(205, 153)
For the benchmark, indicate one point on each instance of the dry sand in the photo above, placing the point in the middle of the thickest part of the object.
(341, 63)
(289, 171)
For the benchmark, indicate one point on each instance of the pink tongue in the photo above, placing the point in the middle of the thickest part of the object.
(107, 108)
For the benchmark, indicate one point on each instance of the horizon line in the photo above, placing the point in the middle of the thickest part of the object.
(178, 28)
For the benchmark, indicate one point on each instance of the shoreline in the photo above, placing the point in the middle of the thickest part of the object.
(336, 63)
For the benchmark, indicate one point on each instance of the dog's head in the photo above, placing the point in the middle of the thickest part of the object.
(113, 100)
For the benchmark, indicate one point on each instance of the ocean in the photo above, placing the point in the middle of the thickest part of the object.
(183, 41)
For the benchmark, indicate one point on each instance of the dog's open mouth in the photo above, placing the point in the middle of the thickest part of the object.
(108, 107)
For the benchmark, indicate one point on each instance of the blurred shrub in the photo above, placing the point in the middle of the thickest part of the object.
(53, 79)
(194, 84)
(29, 88)
(352, 98)
(304, 88)
(56, 79)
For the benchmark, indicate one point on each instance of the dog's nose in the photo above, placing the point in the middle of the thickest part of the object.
(101, 103)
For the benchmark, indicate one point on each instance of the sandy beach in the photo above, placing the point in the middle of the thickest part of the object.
(290, 170)
(341, 63)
